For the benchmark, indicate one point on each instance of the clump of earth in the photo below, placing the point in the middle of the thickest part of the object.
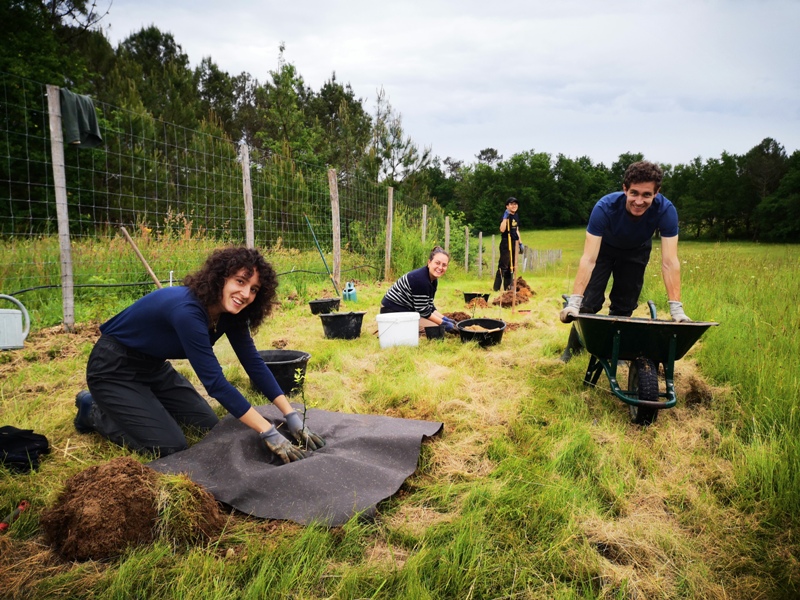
(524, 293)
(107, 508)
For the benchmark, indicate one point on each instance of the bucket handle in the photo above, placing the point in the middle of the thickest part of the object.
(25, 315)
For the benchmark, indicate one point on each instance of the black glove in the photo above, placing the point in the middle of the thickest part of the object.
(280, 446)
(449, 325)
(304, 437)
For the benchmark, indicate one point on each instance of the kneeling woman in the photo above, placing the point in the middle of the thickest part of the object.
(137, 399)
(414, 292)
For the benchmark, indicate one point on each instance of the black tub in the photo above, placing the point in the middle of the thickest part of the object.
(284, 364)
(492, 337)
(324, 305)
(342, 326)
(470, 296)
(436, 332)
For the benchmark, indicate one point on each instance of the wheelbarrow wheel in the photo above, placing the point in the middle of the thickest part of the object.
(643, 384)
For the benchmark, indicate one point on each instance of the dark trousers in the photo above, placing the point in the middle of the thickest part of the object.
(142, 401)
(504, 276)
(627, 267)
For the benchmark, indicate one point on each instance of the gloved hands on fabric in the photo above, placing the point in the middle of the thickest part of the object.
(676, 310)
(307, 439)
(280, 446)
(572, 309)
(449, 325)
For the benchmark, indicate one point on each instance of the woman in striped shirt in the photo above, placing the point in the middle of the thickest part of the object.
(414, 292)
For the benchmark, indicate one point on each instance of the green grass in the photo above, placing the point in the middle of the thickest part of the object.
(537, 488)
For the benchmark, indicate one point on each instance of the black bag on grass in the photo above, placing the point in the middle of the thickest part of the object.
(20, 448)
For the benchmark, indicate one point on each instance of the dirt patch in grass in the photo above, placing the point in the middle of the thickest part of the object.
(107, 508)
(47, 345)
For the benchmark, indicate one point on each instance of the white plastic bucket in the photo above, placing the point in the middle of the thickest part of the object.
(398, 329)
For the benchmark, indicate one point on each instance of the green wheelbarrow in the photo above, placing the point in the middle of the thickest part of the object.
(646, 344)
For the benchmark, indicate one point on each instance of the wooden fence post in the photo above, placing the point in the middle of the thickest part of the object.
(333, 185)
(244, 152)
(62, 214)
(387, 263)
(424, 221)
(447, 234)
(466, 249)
(480, 253)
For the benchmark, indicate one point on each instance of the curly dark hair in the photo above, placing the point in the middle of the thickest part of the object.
(207, 283)
(643, 172)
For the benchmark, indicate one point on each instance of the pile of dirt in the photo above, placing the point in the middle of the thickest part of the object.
(103, 510)
(107, 508)
(506, 299)
(457, 316)
(477, 303)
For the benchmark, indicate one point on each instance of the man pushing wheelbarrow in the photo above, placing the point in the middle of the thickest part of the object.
(618, 244)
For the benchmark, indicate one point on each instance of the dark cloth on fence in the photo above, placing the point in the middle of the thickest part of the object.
(413, 292)
(365, 460)
(627, 267)
(79, 120)
(20, 449)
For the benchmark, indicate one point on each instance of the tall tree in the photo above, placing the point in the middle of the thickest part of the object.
(489, 156)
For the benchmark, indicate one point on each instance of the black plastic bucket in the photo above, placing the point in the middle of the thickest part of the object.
(492, 337)
(470, 296)
(342, 326)
(435, 332)
(284, 365)
(324, 305)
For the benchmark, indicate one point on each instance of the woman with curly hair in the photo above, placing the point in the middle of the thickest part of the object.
(137, 399)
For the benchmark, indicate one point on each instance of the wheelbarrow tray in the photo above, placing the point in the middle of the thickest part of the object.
(611, 339)
(638, 337)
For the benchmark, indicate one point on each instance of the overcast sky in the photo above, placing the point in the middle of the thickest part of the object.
(671, 79)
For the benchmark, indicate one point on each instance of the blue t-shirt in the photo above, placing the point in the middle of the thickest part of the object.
(618, 228)
(172, 323)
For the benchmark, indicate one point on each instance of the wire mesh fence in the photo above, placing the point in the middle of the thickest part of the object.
(180, 193)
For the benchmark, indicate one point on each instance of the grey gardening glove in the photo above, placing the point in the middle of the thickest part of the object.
(280, 446)
(304, 437)
(676, 310)
(572, 309)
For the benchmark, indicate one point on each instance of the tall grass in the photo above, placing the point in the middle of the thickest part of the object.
(537, 488)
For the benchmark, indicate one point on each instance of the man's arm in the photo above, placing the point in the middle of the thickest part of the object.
(591, 248)
(671, 268)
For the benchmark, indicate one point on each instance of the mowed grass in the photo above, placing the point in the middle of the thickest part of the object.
(537, 488)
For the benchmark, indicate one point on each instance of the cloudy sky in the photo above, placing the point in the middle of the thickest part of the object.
(673, 79)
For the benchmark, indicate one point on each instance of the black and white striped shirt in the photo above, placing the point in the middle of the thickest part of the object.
(413, 292)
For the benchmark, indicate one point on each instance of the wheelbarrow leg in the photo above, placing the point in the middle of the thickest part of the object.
(592, 371)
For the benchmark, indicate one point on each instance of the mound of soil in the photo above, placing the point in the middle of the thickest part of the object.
(103, 510)
(477, 303)
(457, 316)
(506, 299)
(107, 508)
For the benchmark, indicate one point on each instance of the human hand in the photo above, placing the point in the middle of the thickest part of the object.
(506, 215)
(307, 439)
(449, 325)
(280, 446)
(676, 310)
(521, 248)
(572, 309)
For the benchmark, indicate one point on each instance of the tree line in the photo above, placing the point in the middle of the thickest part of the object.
(751, 196)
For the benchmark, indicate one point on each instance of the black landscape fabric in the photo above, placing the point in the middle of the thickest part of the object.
(365, 460)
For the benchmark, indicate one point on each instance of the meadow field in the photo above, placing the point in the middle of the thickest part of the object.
(538, 487)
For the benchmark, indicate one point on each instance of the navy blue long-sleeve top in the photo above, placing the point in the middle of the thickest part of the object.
(171, 323)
